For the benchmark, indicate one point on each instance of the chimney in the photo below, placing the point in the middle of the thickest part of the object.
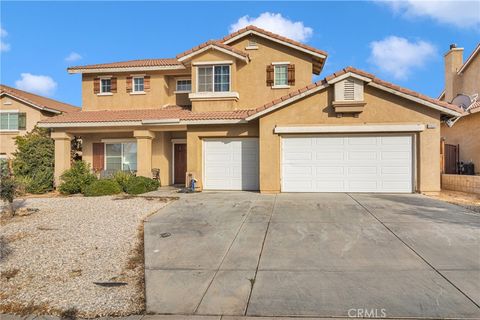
(453, 62)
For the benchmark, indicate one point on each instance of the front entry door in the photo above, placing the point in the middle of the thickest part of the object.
(180, 163)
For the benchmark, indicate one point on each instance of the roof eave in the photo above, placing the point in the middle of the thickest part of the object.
(36, 106)
(215, 47)
(124, 69)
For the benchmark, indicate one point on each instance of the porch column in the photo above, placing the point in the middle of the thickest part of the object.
(144, 152)
(63, 150)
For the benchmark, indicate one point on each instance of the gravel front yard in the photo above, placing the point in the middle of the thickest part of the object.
(51, 259)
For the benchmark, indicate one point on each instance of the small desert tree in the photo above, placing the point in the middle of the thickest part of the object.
(8, 188)
(34, 160)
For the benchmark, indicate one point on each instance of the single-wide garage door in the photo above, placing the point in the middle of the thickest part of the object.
(347, 164)
(231, 164)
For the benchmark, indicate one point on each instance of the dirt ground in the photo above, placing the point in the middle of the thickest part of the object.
(470, 201)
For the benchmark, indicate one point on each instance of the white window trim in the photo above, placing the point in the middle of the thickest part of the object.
(213, 79)
(279, 86)
(182, 91)
(174, 142)
(105, 93)
(133, 84)
(213, 95)
(10, 130)
(121, 142)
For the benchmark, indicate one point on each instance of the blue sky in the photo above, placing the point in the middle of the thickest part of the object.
(401, 42)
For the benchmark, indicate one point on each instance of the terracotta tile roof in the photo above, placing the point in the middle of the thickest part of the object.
(361, 73)
(131, 64)
(215, 43)
(475, 107)
(38, 101)
(170, 112)
(273, 35)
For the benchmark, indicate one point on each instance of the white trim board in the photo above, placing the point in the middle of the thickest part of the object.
(352, 128)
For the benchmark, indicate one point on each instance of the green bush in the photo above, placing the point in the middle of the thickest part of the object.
(75, 179)
(138, 185)
(103, 187)
(34, 160)
(122, 178)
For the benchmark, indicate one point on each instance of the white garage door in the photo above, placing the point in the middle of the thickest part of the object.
(231, 164)
(347, 164)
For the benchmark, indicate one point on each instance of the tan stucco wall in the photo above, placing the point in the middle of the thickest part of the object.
(161, 93)
(465, 132)
(252, 77)
(248, 79)
(196, 134)
(380, 107)
(468, 82)
(7, 139)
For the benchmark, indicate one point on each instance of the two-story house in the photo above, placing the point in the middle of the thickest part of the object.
(242, 113)
(462, 87)
(20, 111)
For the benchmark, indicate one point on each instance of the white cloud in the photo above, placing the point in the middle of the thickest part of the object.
(398, 56)
(276, 23)
(3, 45)
(73, 56)
(463, 14)
(43, 85)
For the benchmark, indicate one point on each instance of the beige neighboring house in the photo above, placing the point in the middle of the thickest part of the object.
(242, 113)
(20, 111)
(462, 86)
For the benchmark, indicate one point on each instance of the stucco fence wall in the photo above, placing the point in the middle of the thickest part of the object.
(462, 183)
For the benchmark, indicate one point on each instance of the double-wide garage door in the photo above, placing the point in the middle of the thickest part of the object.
(347, 164)
(231, 164)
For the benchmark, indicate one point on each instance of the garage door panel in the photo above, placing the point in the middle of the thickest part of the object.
(231, 164)
(362, 155)
(347, 164)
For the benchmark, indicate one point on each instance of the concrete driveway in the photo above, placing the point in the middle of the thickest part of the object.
(324, 255)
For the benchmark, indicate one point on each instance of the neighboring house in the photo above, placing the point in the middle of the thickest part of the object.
(19, 113)
(462, 83)
(242, 113)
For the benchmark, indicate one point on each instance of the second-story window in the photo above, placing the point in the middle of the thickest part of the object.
(138, 84)
(281, 75)
(214, 78)
(105, 85)
(184, 85)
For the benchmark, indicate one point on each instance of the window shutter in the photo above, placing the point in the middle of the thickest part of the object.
(291, 74)
(113, 85)
(96, 85)
(270, 71)
(98, 156)
(129, 84)
(22, 121)
(146, 83)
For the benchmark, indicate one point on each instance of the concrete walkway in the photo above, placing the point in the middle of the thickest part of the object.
(321, 255)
